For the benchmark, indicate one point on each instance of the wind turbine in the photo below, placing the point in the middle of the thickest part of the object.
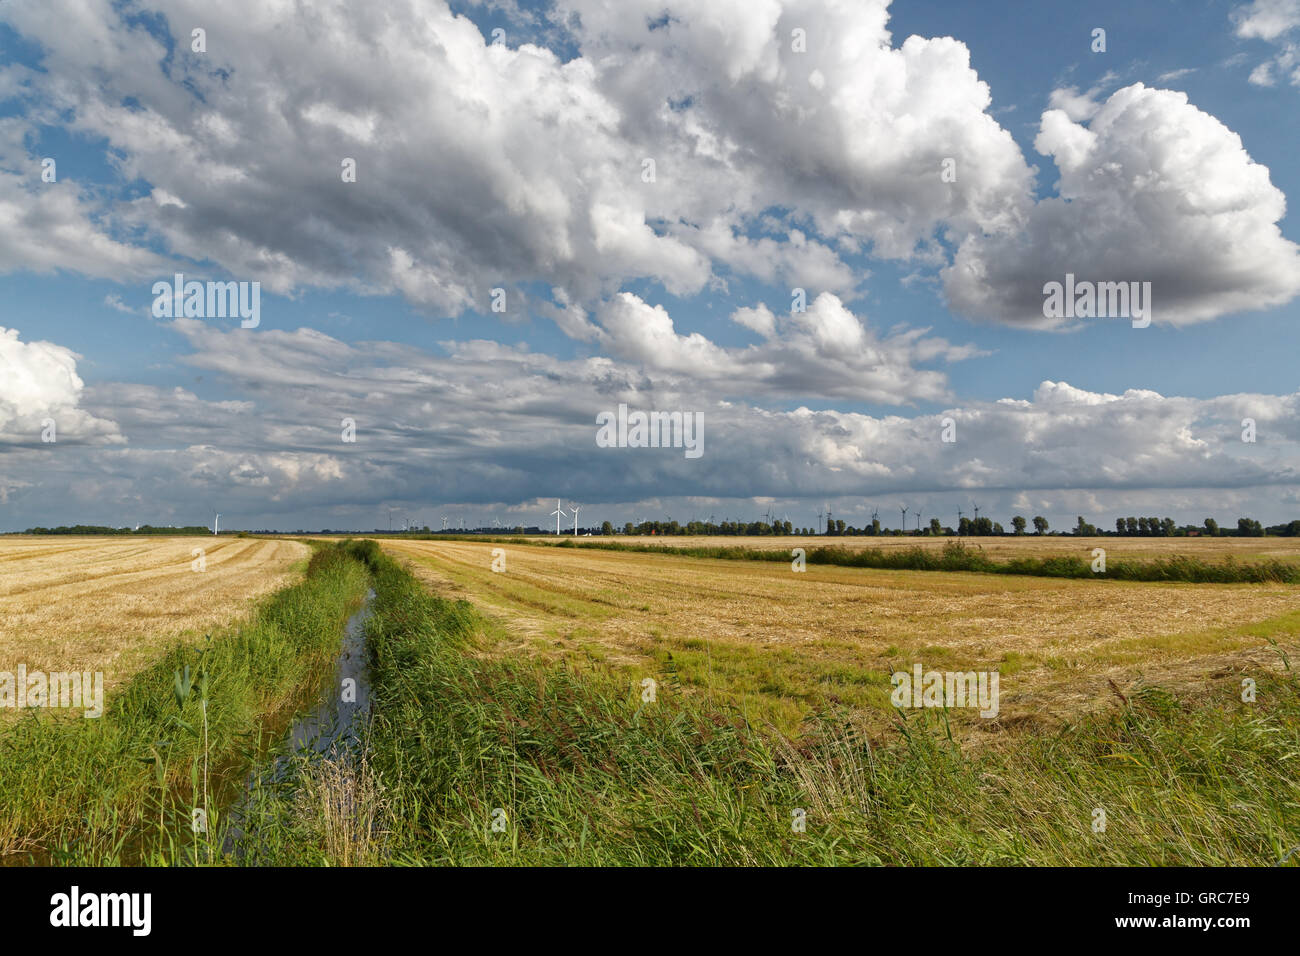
(576, 509)
(444, 522)
(959, 520)
(216, 525)
(918, 520)
(558, 512)
(903, 508)
(977, 511)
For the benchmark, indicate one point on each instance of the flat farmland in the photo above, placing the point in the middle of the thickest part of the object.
(1000, 548)
(783, 645)
(112, 604)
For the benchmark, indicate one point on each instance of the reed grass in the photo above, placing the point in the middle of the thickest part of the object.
(122, 787)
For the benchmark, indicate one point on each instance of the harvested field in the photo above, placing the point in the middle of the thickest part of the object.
(1001, 548)
(112, 604)
(787, 644)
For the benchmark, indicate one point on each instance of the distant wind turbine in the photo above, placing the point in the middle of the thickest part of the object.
(558, 512)
(576, 509)
(216, 525)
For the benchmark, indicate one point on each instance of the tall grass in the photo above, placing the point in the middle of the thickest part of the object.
(519, 762)
(122, 787)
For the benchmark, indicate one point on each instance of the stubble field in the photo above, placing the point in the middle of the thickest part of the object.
(999, 548)
(114, 604)
(785, 645)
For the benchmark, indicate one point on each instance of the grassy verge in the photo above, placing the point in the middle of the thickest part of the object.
(521, 762)
(120, 787)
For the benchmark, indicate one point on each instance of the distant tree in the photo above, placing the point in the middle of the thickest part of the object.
(997, 528)
(1167, 527)
(1211, 527)
(606, 528)
(1248, 528)
(1084, 530)
(936, 528)
(875, 526)
(1142, 526)
(963, 526)
(1018, 522)
(1119, 526)
(629, 528)
(1040, 525)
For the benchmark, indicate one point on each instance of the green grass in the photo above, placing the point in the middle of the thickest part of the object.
(576, 768)
(121, 787)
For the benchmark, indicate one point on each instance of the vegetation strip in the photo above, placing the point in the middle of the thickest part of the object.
(125, 785)
(955, 556)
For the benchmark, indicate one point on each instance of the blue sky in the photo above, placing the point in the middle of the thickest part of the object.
(505, 166)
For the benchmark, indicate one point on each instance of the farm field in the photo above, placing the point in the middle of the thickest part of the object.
(999, 548)
(784, 646)
(114, 604)
(529, 700)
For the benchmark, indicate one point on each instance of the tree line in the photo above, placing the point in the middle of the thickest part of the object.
(966, 527)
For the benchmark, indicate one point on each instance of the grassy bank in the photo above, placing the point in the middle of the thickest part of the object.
(122, 786)
(956, 555)
(520, 762)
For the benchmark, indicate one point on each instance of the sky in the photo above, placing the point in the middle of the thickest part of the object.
(825, 231)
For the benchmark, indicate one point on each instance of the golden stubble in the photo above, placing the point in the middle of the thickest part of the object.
(1002, 548)
(1058, 642)
(113, 604)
